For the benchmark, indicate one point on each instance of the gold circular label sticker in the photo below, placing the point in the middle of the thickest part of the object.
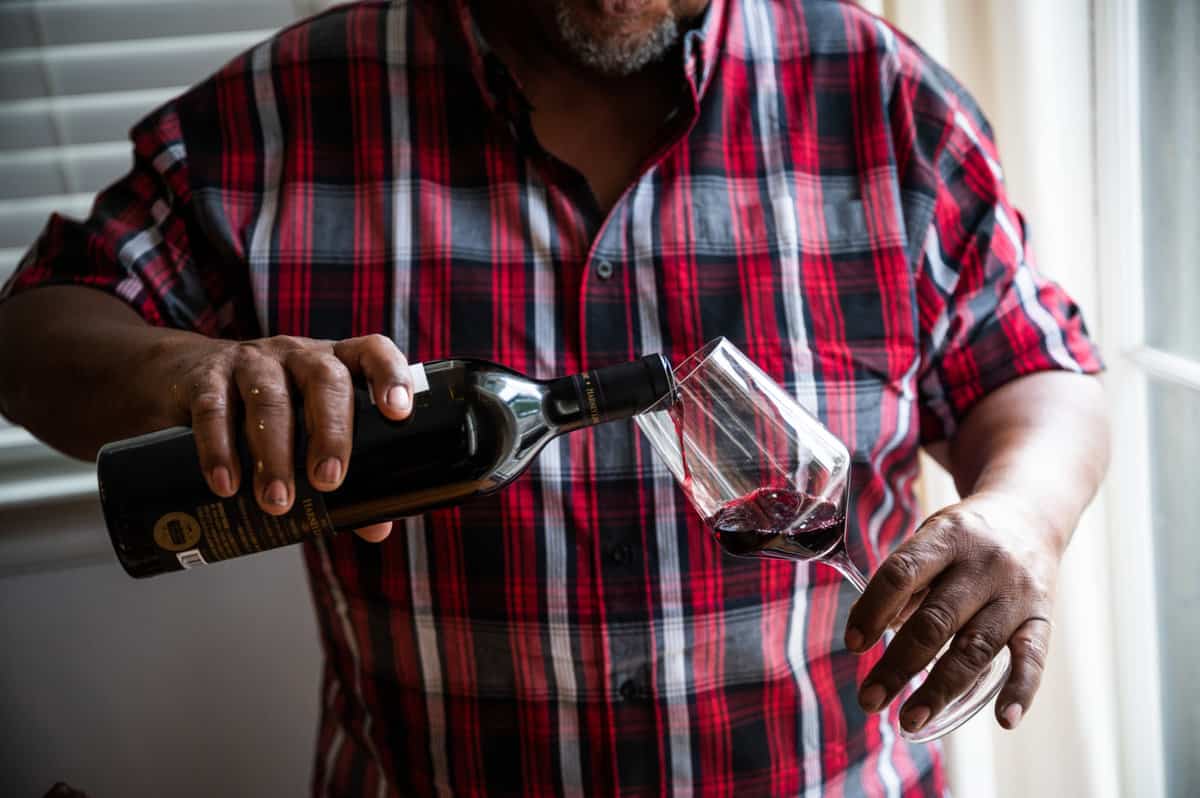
(177, 532)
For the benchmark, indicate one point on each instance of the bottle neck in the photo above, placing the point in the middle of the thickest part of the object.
(608, 394)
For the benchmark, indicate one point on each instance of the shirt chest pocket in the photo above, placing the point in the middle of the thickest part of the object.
(806, 288)
(806, 269)
(736, 217)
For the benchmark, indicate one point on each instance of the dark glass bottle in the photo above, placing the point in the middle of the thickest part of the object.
(475, 427)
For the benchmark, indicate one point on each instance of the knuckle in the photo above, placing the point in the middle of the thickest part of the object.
(972, 518)
(994, 559)
(272, 398)
(254, 348)
(209, 405)
(934, 525)
(1023, 584)
(954, 517)
(966, 518)
(1034, 650)
(332, 373)
(1029, 591)
(1037, 592)
(939, 535)
(296, 362)
(960, 527)
(900, 571)
(249, 357)
(207, 377)
(932, 625)
(946, 544)
(378, 342)
(285, 343)
(975, 649)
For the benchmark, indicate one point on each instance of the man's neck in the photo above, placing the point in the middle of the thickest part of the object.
(604, 126)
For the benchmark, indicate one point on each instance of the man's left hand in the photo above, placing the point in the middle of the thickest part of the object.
(982, 572)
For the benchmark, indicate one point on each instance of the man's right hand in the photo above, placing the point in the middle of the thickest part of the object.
(208, 379)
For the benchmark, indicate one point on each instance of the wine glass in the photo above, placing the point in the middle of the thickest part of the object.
(770, 480)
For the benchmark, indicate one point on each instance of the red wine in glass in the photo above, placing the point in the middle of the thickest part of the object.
(778, 522)
(770, 522)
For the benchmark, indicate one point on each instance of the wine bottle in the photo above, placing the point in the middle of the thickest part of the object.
(475, 426)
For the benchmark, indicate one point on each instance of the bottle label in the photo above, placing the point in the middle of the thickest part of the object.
(191, 559)
(222, 529)
(166, 518)
(177, 531)
(589, 393)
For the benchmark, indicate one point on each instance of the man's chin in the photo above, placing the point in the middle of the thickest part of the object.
(620, 38)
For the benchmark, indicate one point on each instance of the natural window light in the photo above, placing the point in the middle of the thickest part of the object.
(1170, 119)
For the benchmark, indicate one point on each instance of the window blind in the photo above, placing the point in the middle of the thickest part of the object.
(74, 77)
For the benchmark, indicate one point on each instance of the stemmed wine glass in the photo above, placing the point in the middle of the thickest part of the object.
(770, 480)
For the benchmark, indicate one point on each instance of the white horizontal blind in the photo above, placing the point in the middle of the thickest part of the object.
(75, 75)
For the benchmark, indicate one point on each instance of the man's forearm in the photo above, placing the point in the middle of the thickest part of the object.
(77, 368)
(1041, 440)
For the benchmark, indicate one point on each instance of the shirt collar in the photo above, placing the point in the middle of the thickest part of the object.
(703, 44)
(478, 56)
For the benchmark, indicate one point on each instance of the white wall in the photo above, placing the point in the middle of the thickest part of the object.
(199, 684)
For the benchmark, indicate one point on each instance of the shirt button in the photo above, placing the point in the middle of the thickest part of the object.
(621, 553)
(629, 690)
(604, 269)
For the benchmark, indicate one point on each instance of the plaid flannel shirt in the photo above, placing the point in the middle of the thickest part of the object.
(825, 196)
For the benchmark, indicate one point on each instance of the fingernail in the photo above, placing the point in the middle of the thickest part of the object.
(916, 718)
(222, 481)
(871, 698)
(397, 397)
(854, 639)
(277, 494)
(329, 470)
(1012, 715)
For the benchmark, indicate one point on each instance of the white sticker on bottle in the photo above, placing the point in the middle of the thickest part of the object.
(191, 558)
(419, 381)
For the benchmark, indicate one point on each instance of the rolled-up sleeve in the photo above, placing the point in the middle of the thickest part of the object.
(142, 242)
(987, 315)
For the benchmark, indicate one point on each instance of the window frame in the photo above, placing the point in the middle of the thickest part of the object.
(1131, 362)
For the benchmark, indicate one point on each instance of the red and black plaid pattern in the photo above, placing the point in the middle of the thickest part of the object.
(825, 196)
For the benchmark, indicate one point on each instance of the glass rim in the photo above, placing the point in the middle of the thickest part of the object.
(683, 372)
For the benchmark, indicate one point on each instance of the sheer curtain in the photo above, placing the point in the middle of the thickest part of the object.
(1030, 65)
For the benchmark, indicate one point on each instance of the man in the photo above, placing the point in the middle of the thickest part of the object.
(556, 185)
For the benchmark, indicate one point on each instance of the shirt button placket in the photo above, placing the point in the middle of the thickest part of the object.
(621, 553)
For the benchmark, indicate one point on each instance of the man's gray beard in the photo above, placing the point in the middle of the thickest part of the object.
(619, 56)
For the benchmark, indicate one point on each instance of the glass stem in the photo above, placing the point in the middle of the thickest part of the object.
(840, 559)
